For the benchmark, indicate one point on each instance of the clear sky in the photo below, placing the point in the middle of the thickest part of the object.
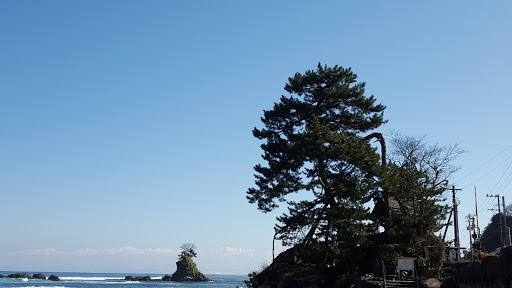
(125, 126)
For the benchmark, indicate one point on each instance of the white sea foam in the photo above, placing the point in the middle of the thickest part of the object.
(40, 287)
(24, 279)
(89, 278)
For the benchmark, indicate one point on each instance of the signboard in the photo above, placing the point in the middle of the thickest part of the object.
(406, 264)
(453, 255)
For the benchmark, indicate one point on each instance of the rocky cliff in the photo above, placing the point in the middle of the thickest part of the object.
(186, 271)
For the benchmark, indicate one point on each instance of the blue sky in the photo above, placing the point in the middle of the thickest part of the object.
(126, 125)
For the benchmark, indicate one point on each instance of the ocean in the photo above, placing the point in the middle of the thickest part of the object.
(114, 280)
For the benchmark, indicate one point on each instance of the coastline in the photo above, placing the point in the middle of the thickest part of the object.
(114, 280)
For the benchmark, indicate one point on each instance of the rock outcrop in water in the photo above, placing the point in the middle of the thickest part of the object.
(53, 278)
(167, 278)
(20, 275)
(186, 271)
(39, 276)
(139, 278)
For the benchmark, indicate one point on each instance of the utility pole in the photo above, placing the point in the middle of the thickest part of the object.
(476, 210)
(477, 233)
(507, 235)
(499, 215)
(456, 224)
(447, 224)
(470, 219)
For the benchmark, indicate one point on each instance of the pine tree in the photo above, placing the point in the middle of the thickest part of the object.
(313, 147)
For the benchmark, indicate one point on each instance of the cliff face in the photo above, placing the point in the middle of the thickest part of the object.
(284, 272)
(186, 271)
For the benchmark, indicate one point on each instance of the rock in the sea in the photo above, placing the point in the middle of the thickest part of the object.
(166, 278)
(143, 278)
(187, 272)
(53, 278)
(138, 278)
(39, 276)
(2, 276)
(20, 275)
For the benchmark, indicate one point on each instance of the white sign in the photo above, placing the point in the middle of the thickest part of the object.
(405, 264)
(453, 254)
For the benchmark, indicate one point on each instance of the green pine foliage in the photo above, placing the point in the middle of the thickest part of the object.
(313, 145)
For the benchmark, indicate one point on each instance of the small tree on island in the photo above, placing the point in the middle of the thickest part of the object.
(187, 250)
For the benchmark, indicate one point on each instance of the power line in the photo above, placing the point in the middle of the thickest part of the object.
(505, 172)
(483, 165)
(508, 183)
(489, 172)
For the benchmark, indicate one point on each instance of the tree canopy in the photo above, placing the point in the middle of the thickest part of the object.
(313, 145)
(492, 233)
(319, 163)
(188, 250)
(416, 178)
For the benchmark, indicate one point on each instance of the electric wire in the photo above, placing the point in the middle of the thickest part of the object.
(510, 157)
(504, 172)
(483, 164)
(508, 183)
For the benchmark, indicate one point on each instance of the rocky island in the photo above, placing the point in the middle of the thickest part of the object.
(186, 269)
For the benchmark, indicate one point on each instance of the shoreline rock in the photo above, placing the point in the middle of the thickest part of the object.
(54, 278)
(166, 278)
(19, 275)
(40, 276)
(147, 278)
(140, 278)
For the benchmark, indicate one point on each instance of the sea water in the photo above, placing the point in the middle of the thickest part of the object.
(114, 280)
